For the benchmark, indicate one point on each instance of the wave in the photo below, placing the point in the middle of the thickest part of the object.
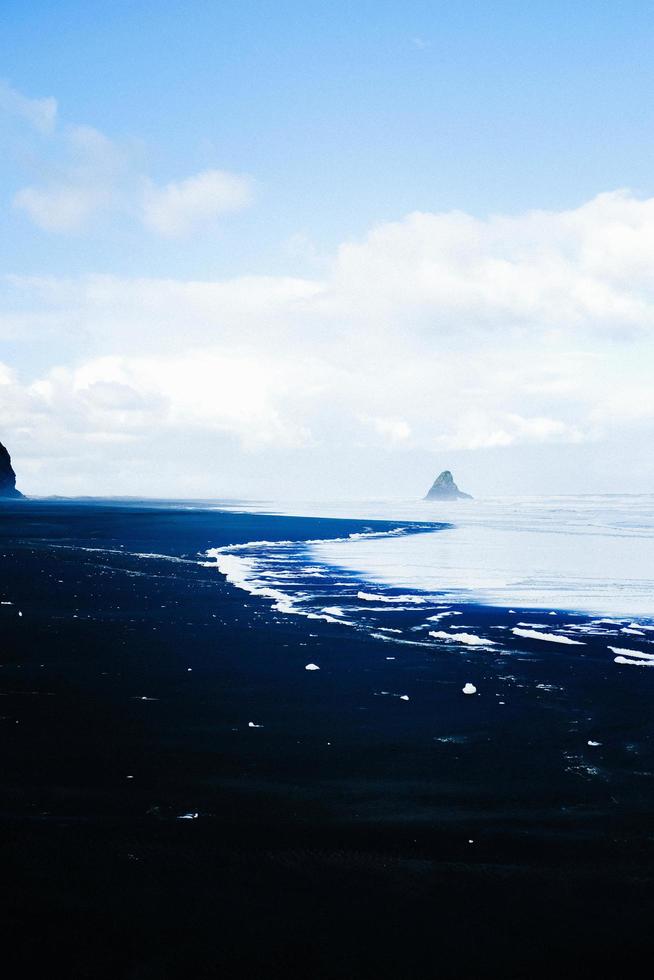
(278, 570)
(298, 580)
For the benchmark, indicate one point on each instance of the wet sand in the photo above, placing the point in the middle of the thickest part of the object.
(149, 831)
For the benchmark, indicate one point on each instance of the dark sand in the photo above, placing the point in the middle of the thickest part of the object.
(332, 842)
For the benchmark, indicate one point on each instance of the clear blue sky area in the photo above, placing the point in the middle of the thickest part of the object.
(345, 114)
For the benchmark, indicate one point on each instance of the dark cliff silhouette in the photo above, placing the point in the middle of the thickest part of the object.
(7, 476)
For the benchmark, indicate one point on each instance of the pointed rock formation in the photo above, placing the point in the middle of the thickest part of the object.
(444, 488)
(7, 476)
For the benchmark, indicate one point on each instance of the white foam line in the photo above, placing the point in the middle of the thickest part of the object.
(389, 608)
(373, 597)
(238, 572)
(355, 536)
(128, 554)
(469, 639)
(247, 545)
(311, 615)
(634, 654)
(589, 629)
(394, 639)
(549, 637)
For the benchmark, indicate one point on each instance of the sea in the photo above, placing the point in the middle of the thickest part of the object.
(575, 554)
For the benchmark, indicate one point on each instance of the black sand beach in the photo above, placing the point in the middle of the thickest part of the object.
(149, 832)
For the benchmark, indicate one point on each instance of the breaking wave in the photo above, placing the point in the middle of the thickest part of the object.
(284, 572)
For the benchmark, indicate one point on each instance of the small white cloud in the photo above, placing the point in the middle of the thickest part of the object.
(87, 182)
(39, 113)
(85, 174)
(59, 208)
(178, 207)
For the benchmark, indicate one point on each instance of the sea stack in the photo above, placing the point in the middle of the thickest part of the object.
(7, 476)
(444, 488)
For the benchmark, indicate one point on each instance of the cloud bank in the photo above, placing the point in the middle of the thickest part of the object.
(435, 333)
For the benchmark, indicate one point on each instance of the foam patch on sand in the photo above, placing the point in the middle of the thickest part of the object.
(632, 658)
(548, 637)
(468, 639)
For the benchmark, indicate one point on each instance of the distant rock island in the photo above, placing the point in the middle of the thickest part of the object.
(7, 476)
(444, 488)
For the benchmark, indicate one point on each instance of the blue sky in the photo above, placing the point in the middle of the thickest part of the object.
(345, 114)
(317, 124)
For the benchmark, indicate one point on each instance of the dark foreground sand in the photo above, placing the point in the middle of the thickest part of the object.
(343, 838)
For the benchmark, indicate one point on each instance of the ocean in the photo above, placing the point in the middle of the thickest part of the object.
(345, 740)
(591, 554)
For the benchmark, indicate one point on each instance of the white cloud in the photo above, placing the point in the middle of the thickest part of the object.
(494, 428)
(60, 207)
(86, 175)
(178, 207)
(41, 114)
(93, 176)
(588, 267)
(437, 333)
(208, 390)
